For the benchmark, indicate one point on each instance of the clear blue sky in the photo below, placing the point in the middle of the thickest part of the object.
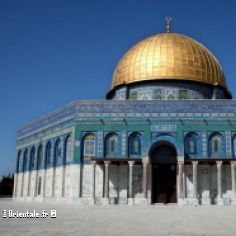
(54, 51)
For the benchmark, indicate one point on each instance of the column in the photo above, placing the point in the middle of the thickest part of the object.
(44, 171)
(15, 184)
(145, 163)
(93, 178)
(195, 183)
(25, 173)
(30, 172)
(53, 141)
(16, 175)
(181, 181)
(233, 179)
(106, 184)
(219, 188)
(130, 193)
(63, 166)
(36, 170)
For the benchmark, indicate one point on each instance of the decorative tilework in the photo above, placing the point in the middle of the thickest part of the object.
(163, 128)
(124, 143)
(162, 93)
(100, 143)
(106, 108)
(222, 151)
(204, 144)
(157, 116)
(120, 94)
(228, 144)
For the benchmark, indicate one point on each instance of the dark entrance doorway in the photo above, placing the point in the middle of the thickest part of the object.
(163, 159)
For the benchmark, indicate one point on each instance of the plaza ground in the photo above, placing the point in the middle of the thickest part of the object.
(74, 219)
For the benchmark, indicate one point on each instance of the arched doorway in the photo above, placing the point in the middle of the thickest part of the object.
(163, 160)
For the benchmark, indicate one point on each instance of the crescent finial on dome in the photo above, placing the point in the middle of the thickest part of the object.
(168, 20)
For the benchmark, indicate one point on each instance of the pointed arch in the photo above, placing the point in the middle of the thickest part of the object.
(58, 152)
(32, 159)
(215, 145)
(111, 145)
(18, 167)
(68, 149)
(25, 160)
(191, 143)
(48, 154)
(234, 145)
(40, 157)
(89, 145)
(134, 144)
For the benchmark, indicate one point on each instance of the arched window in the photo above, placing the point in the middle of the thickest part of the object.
(32, 159)
(111, 146)
(135, 145)
(58, 150)
(215, 145)
(40, 157)
(234, 145)
(25, 160)
(48, 153)
(191, 144)
(68, 149)
(89, 145)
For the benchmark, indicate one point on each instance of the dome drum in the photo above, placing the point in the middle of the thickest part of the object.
(167, 90)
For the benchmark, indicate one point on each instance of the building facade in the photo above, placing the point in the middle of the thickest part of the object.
(165, 134)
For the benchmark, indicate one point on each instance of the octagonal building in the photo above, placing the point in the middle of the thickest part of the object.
(166, 133)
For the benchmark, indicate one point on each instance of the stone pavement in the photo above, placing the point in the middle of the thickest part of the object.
(73, 219)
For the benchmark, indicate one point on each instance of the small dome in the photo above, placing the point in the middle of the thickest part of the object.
(168, 56)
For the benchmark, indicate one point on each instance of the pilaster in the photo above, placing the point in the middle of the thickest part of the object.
(233, 200)
(195, 182)
(106, 184)
(145, 164)
(130, 186)
(93, 180)
(219, 183)
(180, 182)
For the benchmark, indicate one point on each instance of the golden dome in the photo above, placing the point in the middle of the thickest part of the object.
(168, 56)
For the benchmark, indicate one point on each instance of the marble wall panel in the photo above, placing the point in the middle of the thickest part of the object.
(137, 180)
(99, 176)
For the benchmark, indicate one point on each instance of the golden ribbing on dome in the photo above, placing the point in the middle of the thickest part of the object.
(168, 56)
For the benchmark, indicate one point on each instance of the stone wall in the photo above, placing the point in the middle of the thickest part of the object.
(28, 188)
